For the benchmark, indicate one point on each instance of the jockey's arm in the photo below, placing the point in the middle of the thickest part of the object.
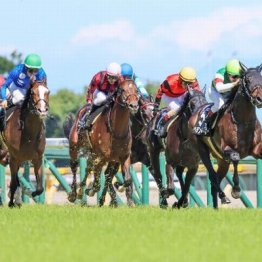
(12, 76)
(222, 88)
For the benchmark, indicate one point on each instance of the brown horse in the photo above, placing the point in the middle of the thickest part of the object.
(180, 148)
(139, 151)
(237, 134)
(26, 141)
(109, 141)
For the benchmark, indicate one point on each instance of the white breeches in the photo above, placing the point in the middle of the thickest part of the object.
(217, 98)
(17, 93)
(99, 97)
(174, 103)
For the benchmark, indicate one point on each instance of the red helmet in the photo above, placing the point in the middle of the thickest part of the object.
(2, 80)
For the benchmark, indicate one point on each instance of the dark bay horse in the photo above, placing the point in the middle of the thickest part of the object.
(237, 134)
(26, 141)
(181, 150)
(109, 141)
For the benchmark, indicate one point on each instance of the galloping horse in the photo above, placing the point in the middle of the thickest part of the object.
(181, 149)
(237, 134)
(26, 141)
(109, 141)
(139, 151)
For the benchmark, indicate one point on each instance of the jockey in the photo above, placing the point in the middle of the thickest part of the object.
(225, 80)
(17, 83)
(102, 84)
(127, 72)
(174, 90)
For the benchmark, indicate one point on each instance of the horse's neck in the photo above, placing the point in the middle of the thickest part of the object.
(120, 120)
(242, 109)
(33, 125)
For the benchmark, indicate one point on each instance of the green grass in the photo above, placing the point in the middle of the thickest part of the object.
(71, 233)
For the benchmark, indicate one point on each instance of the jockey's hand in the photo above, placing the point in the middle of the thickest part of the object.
(4, 104)
(236, 83)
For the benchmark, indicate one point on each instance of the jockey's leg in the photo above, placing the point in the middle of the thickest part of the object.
(165, 118)
(204, 123)
(99, 99)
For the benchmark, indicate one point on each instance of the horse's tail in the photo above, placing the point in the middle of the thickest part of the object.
(68, 123)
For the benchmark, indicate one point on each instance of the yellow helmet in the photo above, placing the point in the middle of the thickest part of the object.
(188, 74)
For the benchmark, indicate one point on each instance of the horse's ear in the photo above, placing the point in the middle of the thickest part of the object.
(260, 68)
(243, 67)
(190, 90)
(204, 89)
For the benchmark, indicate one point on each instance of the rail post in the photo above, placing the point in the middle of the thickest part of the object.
(259, 183)
(145, 186)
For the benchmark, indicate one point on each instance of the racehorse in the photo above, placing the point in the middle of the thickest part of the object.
(180, 148)
(109, 141)
(237, 133)
(139, 151)
(26, 141)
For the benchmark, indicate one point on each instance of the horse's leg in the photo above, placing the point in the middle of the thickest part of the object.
(170, 179)
(183, 201)
(14, 166)
(215, 187)
(179, 174)
(37, 163)
(222, 170)
(96, 184)
(73, 151)
(236, 190)
(154, 153)
(127, 181)
(110, 171)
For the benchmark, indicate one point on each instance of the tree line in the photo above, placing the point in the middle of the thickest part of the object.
(61, 103)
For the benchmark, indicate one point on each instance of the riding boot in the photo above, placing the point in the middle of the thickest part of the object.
(85, 122)
(162, 130)
(203, 126)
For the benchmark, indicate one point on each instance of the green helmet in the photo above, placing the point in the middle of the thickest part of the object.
(233, 67)
(33, 61)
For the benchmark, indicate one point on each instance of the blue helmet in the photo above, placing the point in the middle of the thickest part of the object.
(126, 70)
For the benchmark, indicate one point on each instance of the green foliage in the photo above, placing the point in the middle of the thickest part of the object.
(62, 103)
(6, 64)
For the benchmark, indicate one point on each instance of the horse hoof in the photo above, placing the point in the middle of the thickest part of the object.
(79, 193)
(225, 200)
(163, 204)
(185, 204)
(130, 203)
(121, 189)
(235, 193)
(19, 205)
(11, 205)
(170, 191)
(113, 204)
(90, 192)
(71, 197)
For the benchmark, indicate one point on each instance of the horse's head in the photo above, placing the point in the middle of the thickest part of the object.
(38, 98)
(128, 95)
(251, 81)
(146, 109)
(195, 100)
